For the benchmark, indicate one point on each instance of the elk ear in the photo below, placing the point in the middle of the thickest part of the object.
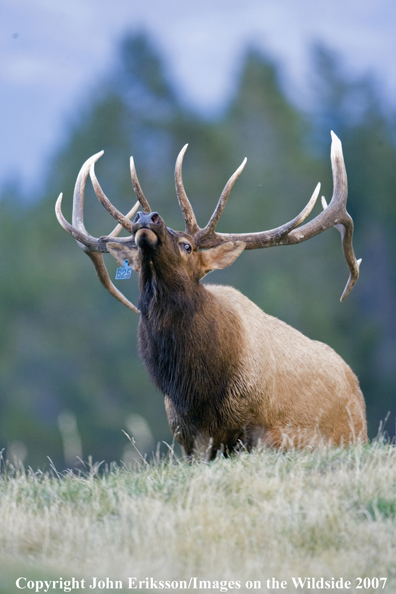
(221, 256)
(123, 252)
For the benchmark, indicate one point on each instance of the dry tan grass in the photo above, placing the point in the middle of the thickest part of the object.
(330, 512)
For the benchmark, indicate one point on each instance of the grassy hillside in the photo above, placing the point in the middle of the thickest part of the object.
(254, 517)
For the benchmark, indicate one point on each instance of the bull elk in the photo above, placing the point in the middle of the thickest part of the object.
(231, 374)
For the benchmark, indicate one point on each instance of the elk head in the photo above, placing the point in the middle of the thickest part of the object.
(197, 251)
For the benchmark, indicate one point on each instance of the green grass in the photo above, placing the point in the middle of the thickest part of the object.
(326, 513)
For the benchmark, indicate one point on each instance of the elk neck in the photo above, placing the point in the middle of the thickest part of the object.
(186, 341)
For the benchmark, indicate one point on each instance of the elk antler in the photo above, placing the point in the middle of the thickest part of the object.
(92, 246)
(333, 215)
(187, 210)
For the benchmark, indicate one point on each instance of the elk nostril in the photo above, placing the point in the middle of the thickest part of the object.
(155, 217)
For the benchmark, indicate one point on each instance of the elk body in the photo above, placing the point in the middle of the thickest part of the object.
(231, 374)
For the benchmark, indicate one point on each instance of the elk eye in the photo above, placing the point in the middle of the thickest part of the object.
(187, 247)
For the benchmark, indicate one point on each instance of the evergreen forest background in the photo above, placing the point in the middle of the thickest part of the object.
(71, 380)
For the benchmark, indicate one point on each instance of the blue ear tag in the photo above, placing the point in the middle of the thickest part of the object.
(124, 272)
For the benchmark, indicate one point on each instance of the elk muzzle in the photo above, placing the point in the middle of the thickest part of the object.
(146, 229)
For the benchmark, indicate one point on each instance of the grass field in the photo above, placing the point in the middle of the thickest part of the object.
(329, 513)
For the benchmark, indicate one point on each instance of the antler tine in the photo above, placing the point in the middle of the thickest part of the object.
(137, 189)
(128, 216)
(78, 196)
(346, 231)
(104, 278)
(188, 213)
(83, 238)
(214, 219)
(306, 211)
(115, 213)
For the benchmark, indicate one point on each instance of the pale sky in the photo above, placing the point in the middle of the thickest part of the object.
(54, 52)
